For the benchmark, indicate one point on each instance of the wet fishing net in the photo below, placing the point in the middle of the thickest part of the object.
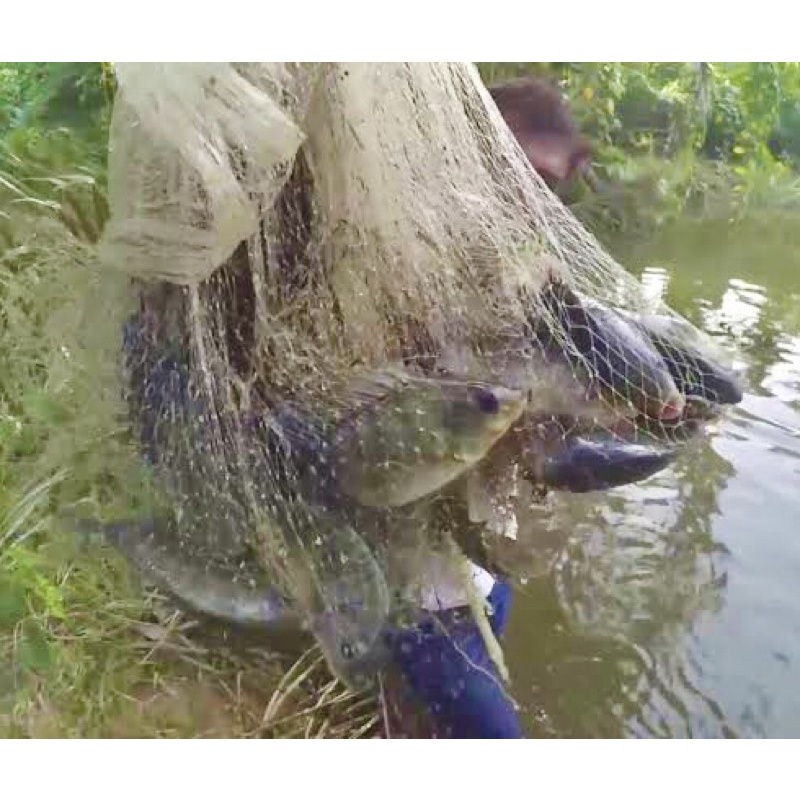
(356, 322)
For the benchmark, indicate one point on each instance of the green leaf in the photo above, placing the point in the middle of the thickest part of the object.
(34, 651)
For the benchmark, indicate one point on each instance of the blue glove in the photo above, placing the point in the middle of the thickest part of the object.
(500, 599)
(448, 669)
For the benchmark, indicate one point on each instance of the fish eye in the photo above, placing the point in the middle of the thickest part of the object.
(487, 401)
(346, 650)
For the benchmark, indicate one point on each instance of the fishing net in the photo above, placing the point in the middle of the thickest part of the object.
(358, 320)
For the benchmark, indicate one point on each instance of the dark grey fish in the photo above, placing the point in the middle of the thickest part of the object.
(697, 370)
(588, 462)
(622, 360)
(241, 595)
(590, 466)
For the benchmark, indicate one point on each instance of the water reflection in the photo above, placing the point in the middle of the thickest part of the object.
(781, 380)
(655, 281)
(670, 609)
(635, 569)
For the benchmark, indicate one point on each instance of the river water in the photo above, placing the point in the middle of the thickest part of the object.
(672, 608)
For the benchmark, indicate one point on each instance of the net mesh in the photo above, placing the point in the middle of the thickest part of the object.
(357, 319)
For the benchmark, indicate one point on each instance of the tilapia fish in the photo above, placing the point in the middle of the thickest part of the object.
(341, 591)
(409, 436)
(696, 366)
(239, 595)
(619, 356)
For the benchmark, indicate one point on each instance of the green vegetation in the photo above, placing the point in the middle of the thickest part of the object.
(82, 651)
(707, 139)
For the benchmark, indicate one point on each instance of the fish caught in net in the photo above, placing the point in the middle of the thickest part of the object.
(357, 305)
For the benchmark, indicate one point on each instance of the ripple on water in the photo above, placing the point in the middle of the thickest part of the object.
(671, 608)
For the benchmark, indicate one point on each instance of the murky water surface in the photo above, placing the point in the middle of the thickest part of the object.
(673, 608)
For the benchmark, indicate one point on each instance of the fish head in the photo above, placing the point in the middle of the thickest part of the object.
(352, 644)
(476, 415)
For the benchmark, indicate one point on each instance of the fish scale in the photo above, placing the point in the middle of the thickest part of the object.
(418, 434)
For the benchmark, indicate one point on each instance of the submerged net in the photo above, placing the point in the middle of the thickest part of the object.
(360, 320)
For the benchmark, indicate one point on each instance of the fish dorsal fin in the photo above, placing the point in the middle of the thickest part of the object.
(376, 385)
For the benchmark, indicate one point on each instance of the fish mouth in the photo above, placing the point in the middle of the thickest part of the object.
(671, 409)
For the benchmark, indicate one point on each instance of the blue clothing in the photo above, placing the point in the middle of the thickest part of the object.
(447, 668)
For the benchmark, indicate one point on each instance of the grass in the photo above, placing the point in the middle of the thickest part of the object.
(84, 650)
